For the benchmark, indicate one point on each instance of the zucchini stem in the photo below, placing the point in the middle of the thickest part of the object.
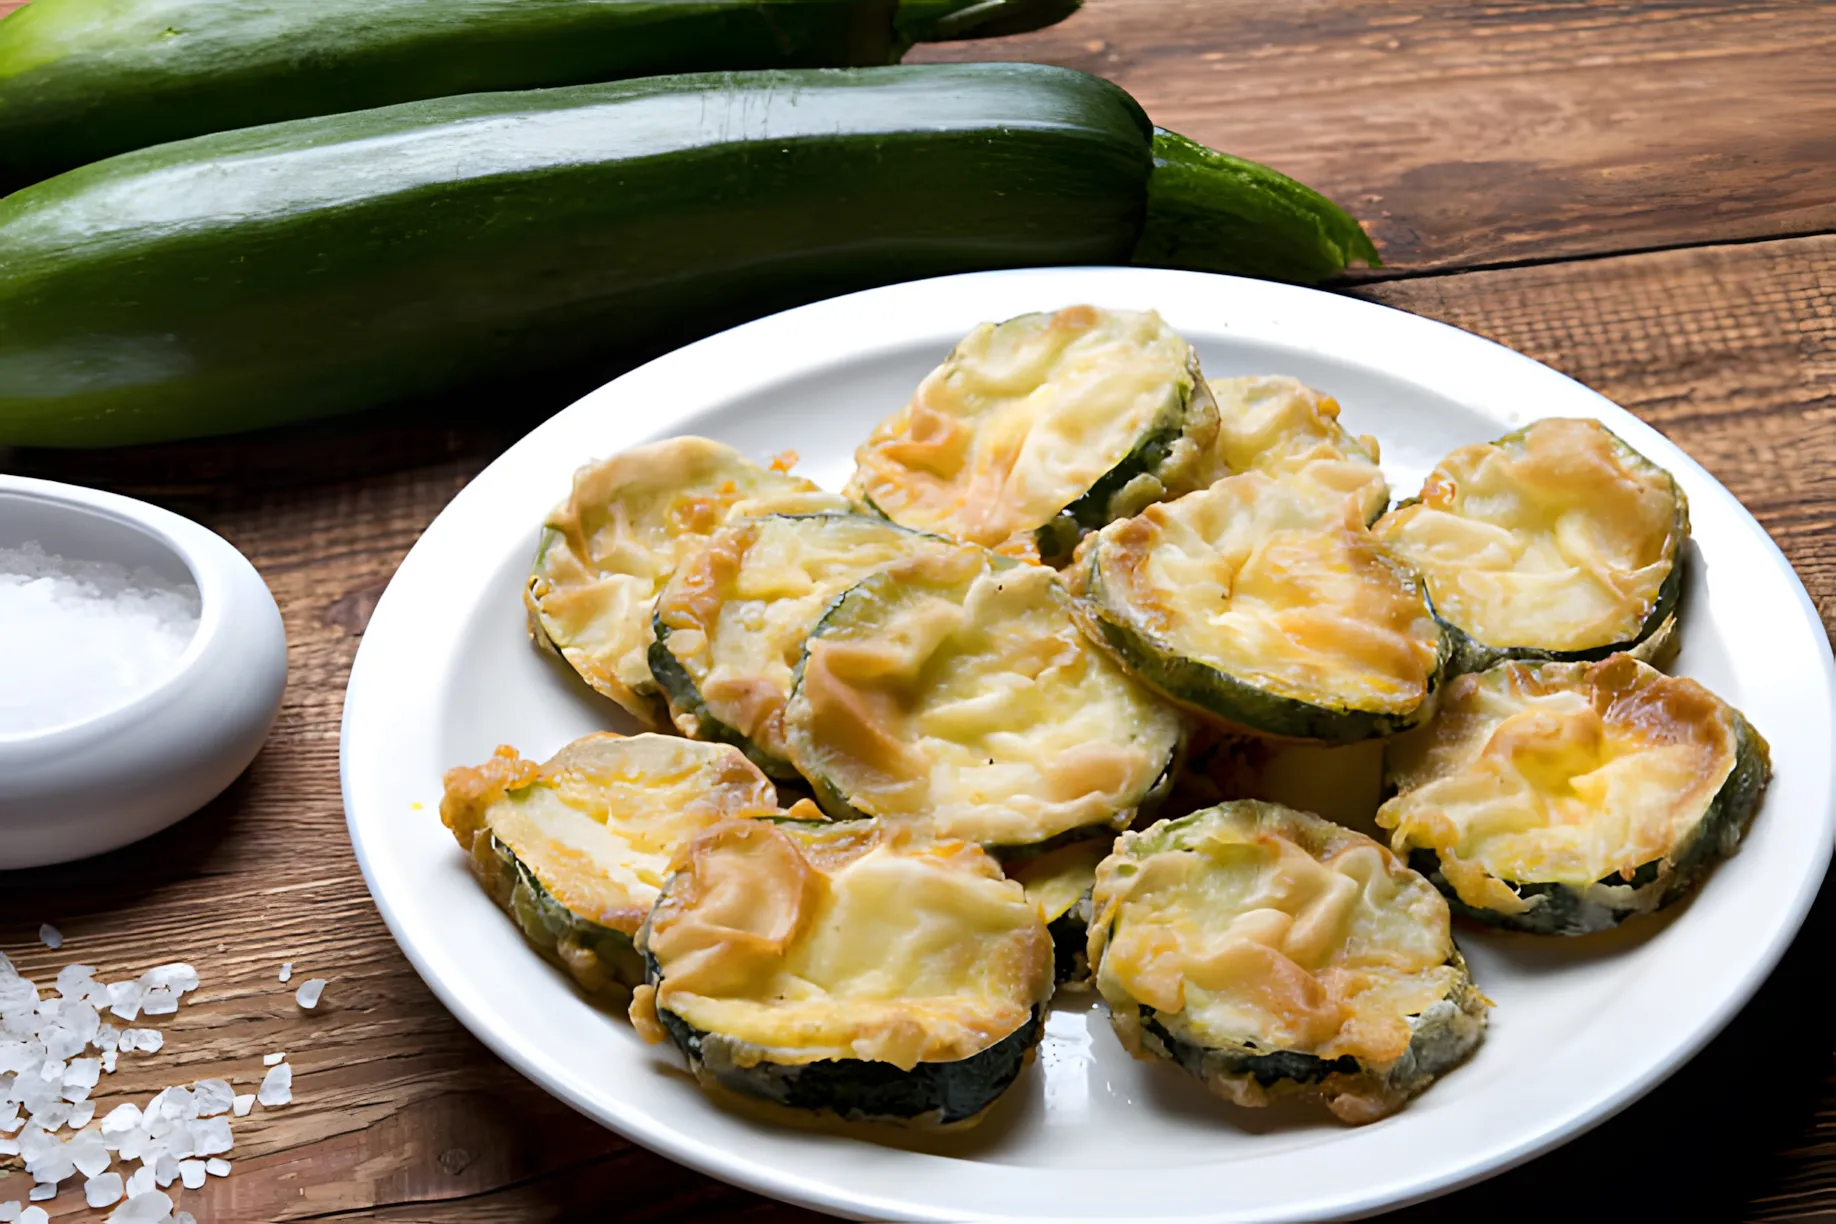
(952, 20)
(1212, 212)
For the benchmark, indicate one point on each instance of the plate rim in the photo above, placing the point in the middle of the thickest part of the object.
(801, 1189)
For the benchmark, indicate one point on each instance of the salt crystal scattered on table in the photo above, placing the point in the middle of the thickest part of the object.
(214, 1096)
(139, 1185)
(124, 999)
(159, 1001)
(286, 973)
(216, 1166)
(269, 1060)
(307, 995)
(9, 1211)
(34, 1215)
(276, 1086)
(103, 1190)
(184, 1217)
(83, 636)
(165, 1170)
(148, 1205)
(70, 979)
(80, 1115)
(48, 935)
(43, 1191)
(191, 1172)
(244, 1103)
(88, 1153)
(121, 1119)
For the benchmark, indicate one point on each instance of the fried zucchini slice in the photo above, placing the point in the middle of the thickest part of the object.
(858, 969)
(731, 623)
(1059, 881)
(1562, 798)
(1268, 605)
(1272, 953)
(576, 849)
(610, 546)
(955, 688)
(1556, 542)
(1038, 429)
(1281, 426)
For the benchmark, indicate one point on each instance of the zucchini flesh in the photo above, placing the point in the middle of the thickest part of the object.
(1047, 425)
(732, 620)
(955, 689)
(1270, 952)
(625, 526)
(299, 269)
(81, 80)
(1558, 542)
(576, 849)
(1564, 798)
(1266, 604)
(858, 969)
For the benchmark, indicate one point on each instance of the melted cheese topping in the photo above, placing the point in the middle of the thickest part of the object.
(739, 611)
(958, 690)
(1285, 428)
(1559, 537)
(629, 522)
(1270, 582)
(1255, 924)
(1025, 416)
(598, 823)
(1562, 773)
(858, 941)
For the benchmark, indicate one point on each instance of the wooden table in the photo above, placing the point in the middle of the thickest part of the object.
(1641, 194)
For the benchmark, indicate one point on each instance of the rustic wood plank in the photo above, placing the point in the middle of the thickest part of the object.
(1512, 130)
(1508, 131)
(400, 1115)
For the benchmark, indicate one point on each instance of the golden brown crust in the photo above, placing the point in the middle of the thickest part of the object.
(1562, 773)
(860, 940)
(1559, 538)
(626, 525)
(1025, 416)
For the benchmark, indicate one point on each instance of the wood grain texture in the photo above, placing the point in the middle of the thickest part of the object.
(1468, 134)
(401, 1116)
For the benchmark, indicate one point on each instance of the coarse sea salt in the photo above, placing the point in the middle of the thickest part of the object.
(47, 1072)
(307, 995)
(84, 636)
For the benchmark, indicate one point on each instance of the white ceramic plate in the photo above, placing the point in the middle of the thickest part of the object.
(1581, 1028)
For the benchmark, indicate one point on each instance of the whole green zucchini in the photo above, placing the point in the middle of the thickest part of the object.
(247, 278)
(85, 79)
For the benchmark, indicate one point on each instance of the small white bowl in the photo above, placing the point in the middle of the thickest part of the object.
(85, 787)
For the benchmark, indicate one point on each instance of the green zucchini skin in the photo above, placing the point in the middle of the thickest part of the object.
(1443, 1036)
(679, 687)
(1604, 904)
(81, 80)
(858, 1090)
(601, 960)
(249, 278)
(1198, 686)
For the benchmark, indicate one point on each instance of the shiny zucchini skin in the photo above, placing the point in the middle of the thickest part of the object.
(300, 269)
(81, 80)
(295, 270)
(937, 1094)
(1567, 910)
